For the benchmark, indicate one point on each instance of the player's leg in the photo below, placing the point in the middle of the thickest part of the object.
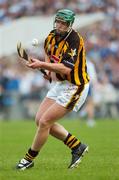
(90, 108)
(54, 113)
(45, 123)
(90, 112)
(45, 104)
(56, 129)
(78, 149)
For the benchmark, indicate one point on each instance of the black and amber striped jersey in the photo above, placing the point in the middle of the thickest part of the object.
(71, 52)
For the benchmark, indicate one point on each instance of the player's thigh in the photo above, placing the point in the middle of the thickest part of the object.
(53, 114)
(45, 104)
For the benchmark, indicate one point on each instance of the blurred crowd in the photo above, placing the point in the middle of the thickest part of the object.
(14, 9)
(102, 45)
(102, 49)
(18, 87)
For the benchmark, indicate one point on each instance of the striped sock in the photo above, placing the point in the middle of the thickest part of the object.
(72, 142)
(30, 155)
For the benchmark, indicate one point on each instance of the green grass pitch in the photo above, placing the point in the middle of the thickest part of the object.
(101, 163)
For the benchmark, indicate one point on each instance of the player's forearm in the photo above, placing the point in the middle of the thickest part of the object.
(54, 67)
(58, 68)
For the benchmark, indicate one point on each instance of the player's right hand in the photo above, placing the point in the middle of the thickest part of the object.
(48, 77)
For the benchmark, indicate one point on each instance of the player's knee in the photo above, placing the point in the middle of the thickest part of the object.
(37, 120)
(44, 123)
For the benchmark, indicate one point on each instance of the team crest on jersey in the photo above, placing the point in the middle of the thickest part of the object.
(72, 53)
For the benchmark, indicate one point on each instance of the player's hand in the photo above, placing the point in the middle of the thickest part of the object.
(48, 76)
(34, 63)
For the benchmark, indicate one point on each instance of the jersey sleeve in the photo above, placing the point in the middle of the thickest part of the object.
(72, 54)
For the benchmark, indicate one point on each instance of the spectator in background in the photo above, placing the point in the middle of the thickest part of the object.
(90, 104)
(108, 97)
(31, 89)
(89, 109)
(14, 9)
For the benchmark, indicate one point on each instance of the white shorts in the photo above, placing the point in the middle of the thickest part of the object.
(69, 95)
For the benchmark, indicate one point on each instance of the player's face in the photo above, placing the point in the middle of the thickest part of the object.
(61, 26)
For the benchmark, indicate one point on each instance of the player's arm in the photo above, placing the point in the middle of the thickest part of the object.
(64, 68)
(47, 65)
(54, 67)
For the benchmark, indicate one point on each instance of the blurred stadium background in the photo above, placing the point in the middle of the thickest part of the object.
(21, 89)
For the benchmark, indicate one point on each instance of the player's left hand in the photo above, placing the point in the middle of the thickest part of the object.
(34, 63)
